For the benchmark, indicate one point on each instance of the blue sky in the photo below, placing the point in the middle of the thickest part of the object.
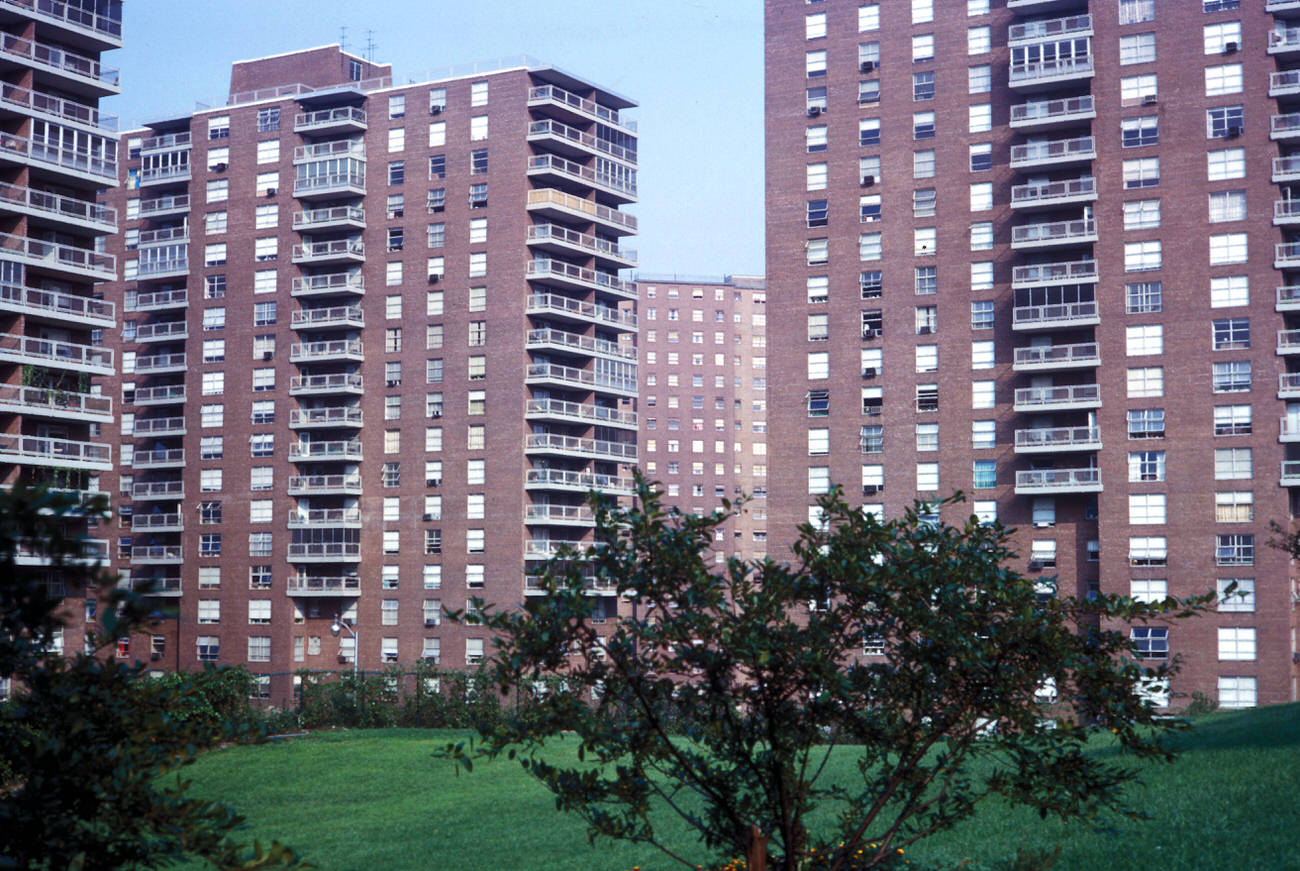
(696, 68)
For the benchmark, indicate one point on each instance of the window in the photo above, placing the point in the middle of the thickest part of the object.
(871, 439)
(1218, 36)
(981, 197)
(1234, 507)
(981, 157)
(924, 241)
(982, 394)
(868, 132)
(1146, 382)
(263, 281)
(210, 513)
(1237, 692)
(1232, 463)
(1144, 340)
(923, 48)
(1226, 164)
(868, 18)
(1142, 172)
(816, 176)
(1235, 550)
(1137, 132)
(817, 213)
(1146, 508)
(214, 254)
(985, 474)
(922, 125)
(263, 347)
(815, 64)
(979, 79)
(981, 315)
(982, 355)
(1143, 297)
(927, 358)
(927, 477)
(1231, 377)
(1232, 420)
(267, 183)
(818, 365)
(923, 164)
(265, 249)
(214, 350)
(927, 319)
(214, 384)
(261, 445)
(1242, 598)
(869, 246)
(927, 437)
(219, 127)
(868, 208)
(214, 222)
(208, 648)
(259, 544)
(1227, 248)
(218, 190)
(478, 128)
(815, 100)
(1150, 642)
(1236, 643)
(925, 280)
(1225, 122)
(1136, 11)
(922, 86)
(1224, 79)
(927, 397)
(1231, 334)
(980, 118)
(210, 545)
(1146, 423)
(1141, 214)
(1227, 206)
(1134, 90)
(815, 25)
(210, 480)
(437, 200)
(978, 40)
(260, 478)
(268, 119)
(1142, 256)
(1137, 48)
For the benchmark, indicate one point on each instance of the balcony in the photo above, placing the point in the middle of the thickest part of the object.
(329, 284)
(554, 168)
(553, 238)
(1036, 7)
(564, 274)
(58, 307)
(29, 450)
(580, 379)
(334, 416)
(78, 213)
(1284, 84)
(1059, 152)
(157, 427)
(79, 73)
(1038, 115)
(65, 260)
(325, 552)
(577, 482)
(1284, 42)
(1047, 74)
(78, 25)
(580, 108)
(147, 586)
(546, 548)
(565, 308)
(47, 107)
(30, 351)
(165, 490)
(559, 515)
(166, 331)
(325, 452)
(1284, 126)
(324, 318)
(572, 142)
(578, 412)
(1054, 234)
(322, 352)
(1282, 7)
(95, 167)
(1290, 474)
(1053, 194)
(1055, 317)
(334, 218)
(1286, 212)
(1070, 397)
(558, 340)
(1053, 28)
(1286, 255)
(1288, 341)
(57, 404)
(1289, 430)
(1064, 272)
(343, 518)
(159, 364)
(330, 185)
(170, 174)
(176, 265)
(164, 206)
(320, 585)
(592, 586)
(1288, 385)
(333, 251)
(166, 394)
(339, 382)
(159, 300)
(325, 150)
(1053, 439)
(573, 446)
(157, 554)
(1049, 481)
(157, 522)
(551, 203)
(85, 552)
(1042, 358)
(163, 458)
(325, 485)
(341, 119)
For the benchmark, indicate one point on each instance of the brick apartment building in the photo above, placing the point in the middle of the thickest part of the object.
(374, 351)
(1045, 252)
(704, 399)
(57, 150)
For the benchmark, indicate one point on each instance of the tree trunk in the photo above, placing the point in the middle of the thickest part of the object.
(756, 857)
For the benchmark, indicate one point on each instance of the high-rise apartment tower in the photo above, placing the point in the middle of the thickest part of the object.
(1041, 251)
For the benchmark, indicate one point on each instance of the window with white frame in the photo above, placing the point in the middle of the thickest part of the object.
(1236, 643)
(1227, 206)
(1142, 256)
(1141, 214)
(1217, 37)
(1234, 506)
(1227, 248)
(1241, 597)
(1225, 122)
(979, 79)
(1146, 509)
(1137, 48)
(1237, 692)
(1142, 172)
(1226, 164)
(868, 17)
(980, 118)
(1223, 79)
(978, 40)
(1134, 90)
(1233, 464)
(1146, 381)
(1144, 340)
(1138, 132)
(927, 477)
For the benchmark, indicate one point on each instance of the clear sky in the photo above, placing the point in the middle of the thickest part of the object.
(696, 68)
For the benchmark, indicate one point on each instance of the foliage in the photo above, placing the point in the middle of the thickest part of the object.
(983, 686)
(85, 743)
(1201, 704)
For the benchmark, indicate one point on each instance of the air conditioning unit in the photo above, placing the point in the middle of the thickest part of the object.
(428, 623)
(1035, 565)
(924, 331)
(268, 355)
(270, 192)
(436, 109)
(870, 373)
(1230, 48)
(872, 489)
(433, 482)
(868, 180)
(155, 656)
(1150, 99)
(1233, 132)
(1043, 524)
(219, 167)
(867, 66)
(814, 111)
(871, 334)
(435, 278)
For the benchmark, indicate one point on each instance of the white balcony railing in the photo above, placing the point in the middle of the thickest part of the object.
(1065, 480)
(596, 414)
(554, 233)
(590, 108)
(43, 450)
(101, 165)
(1080, 354)
(56, 107)
(553, 163)
(559, 270)
(1039, 112)
(581, 377)
(618, 451)
(1058, 150)
(562, 479)
(555, 304)
(80, 17)
(586, 141)
(1049, 29)
(306, 485)
(26, 349)
(54, 303)
(59, 59)
(550, 337)
(1057, 437)
(52, 255)
(1060, 313)
(1070, 271)
(59, 206)
(1050, 70)
(551, 198)
(1050, 192)
(1059, 396)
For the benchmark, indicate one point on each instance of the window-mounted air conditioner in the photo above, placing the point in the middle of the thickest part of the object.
(868, 180)
(814, 111)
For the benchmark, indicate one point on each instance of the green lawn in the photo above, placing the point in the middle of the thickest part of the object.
(368, 800)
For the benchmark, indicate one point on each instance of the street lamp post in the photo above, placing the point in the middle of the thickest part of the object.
(337, 627)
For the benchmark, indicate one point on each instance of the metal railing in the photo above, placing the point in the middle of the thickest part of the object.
(541, 268)
(1050, 69)
(160, 426)
(1053, 27)
(1047, 191)
(59, 58)
(553, 94)
(544, 303)
(1050, 110)
(349, 381)
(159, 299)
(160, 361)
(589, 141)
(58, 107)
(558, 514)
(597, 414)
(325, 550)
(550, 336)
(352, 315)
(54, 302)
(1058, 436)
(552, 197)
(1054, 231)
(163, 393)
(585, 241)
(307, 484)
(55, 255)
(579, 480)
(1082, 352)
(346, 584)
(1058, 395)
(61, 451)
(46, 399)
(58, 353)
(332, 450)
(168, 203)
(161, 331)
(334, 215)
(325, 416)
(622, 451)
(158, 490)
(58, 205)
(584, 377)
(72, 15)
(555, 163)
(351, 282)
(1078, 147)
(322, 150)
(102, 166)
(332, 248)
(1065, 271)
(326, 117)
(1062, 478)
(323, 516)
(329, 349)
(329, 181)
(1060, 312)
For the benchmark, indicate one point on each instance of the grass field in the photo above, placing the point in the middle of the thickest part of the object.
(365, 800)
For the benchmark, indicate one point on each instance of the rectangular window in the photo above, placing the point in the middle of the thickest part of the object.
(1236, 643)
(1141, 173)
(1146, 466)
(1231, 377)
(1223, 79)
(922, 125)
(1234, 507)
(1146, 423)
(1143, 297)
(1142, 256)
(1226, 164)
(1241, 597)
(1137, 48)
(1231, 334)
(1235, 550)
(1225, 122)
(1145, 382)
(1141, 214)
(1227, 206)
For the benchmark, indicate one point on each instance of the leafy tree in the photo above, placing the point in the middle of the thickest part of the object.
(907, 644)
(85, 743)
